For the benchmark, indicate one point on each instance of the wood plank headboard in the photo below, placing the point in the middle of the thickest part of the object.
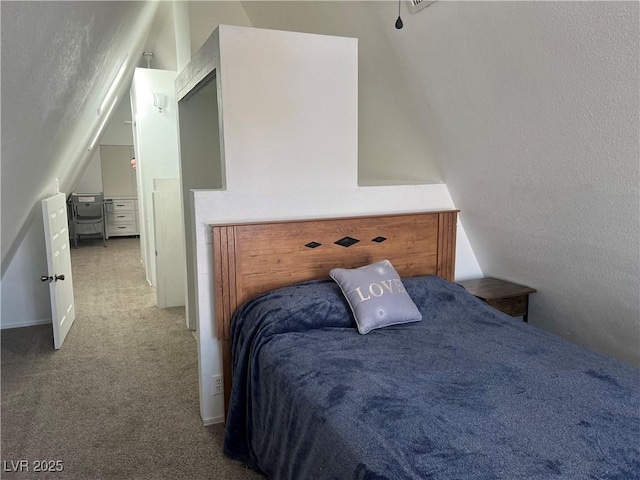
(251, 259)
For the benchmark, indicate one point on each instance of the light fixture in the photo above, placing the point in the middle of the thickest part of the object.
(399, 23)
(114, 85)
(102, 125)
(148, 56)
(160, 101)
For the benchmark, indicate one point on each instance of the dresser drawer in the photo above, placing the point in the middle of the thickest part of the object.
(121, 229)
(122, 205)
(121, 217)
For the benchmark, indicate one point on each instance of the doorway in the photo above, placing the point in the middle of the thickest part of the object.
(201, 166)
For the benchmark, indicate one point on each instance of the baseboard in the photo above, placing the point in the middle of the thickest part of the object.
(24, 323)
(212, 421)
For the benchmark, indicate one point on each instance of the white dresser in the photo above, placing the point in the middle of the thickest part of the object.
(120, 192)
(122, 216)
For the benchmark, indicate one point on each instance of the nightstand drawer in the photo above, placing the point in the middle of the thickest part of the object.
(514, 306)
(510, 298)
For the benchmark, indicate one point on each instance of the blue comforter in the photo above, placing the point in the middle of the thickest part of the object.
(467, 392)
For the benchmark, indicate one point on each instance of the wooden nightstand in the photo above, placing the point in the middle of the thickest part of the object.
(510, 298)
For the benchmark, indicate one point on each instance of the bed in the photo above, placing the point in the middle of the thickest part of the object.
(467, 392)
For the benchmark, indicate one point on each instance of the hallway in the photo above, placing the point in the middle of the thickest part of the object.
(120, 399)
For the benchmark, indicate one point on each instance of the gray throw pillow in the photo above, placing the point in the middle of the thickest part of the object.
(376, 296)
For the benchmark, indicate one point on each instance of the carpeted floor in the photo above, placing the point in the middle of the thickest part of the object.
(120, 399)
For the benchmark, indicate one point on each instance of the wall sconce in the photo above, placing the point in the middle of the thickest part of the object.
(160, 101)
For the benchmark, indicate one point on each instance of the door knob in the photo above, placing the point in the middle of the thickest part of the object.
(59, 277)
(46, 278)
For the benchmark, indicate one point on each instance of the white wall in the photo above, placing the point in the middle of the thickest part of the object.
(117, 132)
(532, 110)
(91, 181)
(277, 101)
(289, 104)
(156, 148)
(206, 16)
(25, 299)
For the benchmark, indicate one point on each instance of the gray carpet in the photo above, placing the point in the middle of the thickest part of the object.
(120, 400)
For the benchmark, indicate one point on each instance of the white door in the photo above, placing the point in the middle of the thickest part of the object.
(56, 233)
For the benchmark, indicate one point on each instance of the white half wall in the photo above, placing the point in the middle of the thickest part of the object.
(321, 201)
(170, 252)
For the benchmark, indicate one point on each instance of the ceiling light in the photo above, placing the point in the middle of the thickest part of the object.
(399, 23)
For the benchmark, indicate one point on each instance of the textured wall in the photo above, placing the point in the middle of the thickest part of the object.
(532, 110)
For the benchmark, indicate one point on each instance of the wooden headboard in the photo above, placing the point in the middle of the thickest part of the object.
(250, 259)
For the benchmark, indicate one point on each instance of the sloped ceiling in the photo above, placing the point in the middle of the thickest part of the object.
(531, 109)
(58, 61)
(540, 149)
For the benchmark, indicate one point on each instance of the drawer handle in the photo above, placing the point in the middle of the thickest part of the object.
(119, 204)
(120, 216)
(121, 228)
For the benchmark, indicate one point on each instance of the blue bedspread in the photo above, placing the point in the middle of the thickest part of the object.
(467, 393)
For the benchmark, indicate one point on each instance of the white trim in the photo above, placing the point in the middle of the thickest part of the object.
(213, 420)
(25, 323)
(115, 84)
